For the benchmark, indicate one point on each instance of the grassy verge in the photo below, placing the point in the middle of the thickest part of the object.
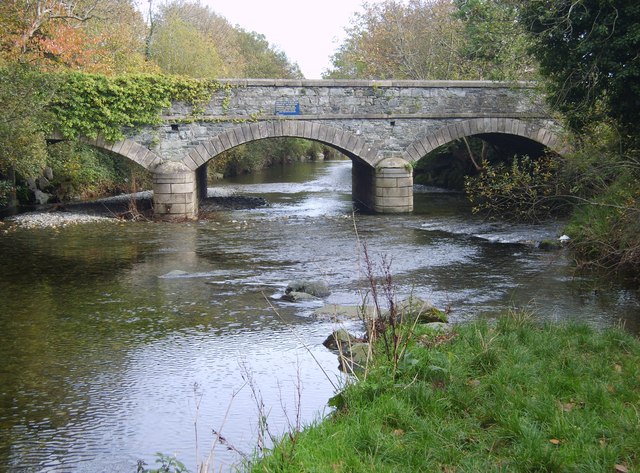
(511, 396)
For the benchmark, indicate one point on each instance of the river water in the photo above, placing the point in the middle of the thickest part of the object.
(104, 361)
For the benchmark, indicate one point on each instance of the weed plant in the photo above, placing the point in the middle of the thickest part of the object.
(509, 396)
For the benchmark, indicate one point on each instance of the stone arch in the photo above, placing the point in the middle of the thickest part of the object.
(347, 142)
(475, 126)
(127, 148)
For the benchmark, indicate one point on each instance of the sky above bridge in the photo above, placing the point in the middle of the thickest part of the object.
(308, 31)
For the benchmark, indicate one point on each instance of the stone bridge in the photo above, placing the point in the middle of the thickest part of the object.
(382, 126)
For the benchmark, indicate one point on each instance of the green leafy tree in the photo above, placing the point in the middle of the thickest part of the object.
(262, 60)
(191, 39)
(589, 52)
(179, 48)
(24, 96)
(495, 42)
(212, 26)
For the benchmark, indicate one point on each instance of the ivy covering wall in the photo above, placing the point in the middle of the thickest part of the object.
(92, 104)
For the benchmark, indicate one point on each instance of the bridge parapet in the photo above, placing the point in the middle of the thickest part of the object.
(268, 99)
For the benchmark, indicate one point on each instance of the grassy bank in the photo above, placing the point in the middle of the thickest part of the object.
(510, 396)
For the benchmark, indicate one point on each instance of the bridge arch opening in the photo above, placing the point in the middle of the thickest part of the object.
(259, 156)
(464, 148)
(89, 168)
(349, 144)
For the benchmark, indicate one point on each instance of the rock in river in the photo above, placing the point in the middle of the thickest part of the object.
(295, 296)
(315, 288)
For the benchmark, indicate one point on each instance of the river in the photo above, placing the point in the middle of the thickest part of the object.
(105, 362)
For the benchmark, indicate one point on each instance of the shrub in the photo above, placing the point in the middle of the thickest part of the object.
(605, 230)
(525, 190)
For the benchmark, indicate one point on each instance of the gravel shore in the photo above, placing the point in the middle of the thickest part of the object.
(108, 209)
(118, 208)
(54, 219)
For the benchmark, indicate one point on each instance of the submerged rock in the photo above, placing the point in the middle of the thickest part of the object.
(337, 312)
(295, 296)
(231, 202)
(173, 274)
(549, 245)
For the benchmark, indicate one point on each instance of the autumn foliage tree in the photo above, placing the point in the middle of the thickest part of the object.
(56, 34)
(419, 39)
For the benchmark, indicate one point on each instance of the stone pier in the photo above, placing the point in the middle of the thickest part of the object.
(394, 186)
(387, 188)
(174, 192)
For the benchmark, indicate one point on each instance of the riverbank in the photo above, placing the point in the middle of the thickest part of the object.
(121, 207)
(511, 396)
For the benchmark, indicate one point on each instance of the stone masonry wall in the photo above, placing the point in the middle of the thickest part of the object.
(388, 115)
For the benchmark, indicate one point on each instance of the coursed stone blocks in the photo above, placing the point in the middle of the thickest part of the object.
(394, 186)
(174, 192)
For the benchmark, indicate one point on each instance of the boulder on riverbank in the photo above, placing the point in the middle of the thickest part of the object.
(353, 352)
(414, 309)
(355, 358)
(340, 340)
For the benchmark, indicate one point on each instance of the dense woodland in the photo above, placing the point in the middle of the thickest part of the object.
(56, 55)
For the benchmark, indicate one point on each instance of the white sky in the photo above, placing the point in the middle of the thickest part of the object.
(308, 31)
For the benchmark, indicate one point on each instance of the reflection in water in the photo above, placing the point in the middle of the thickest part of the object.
(104, 362)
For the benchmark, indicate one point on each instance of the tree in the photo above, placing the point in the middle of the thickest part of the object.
(90, 35)
(416, 40)
(201, 32)
(179, 48)
(24, 95)
(589, 52)
(494, 40)
(261, 60)
(122, 37)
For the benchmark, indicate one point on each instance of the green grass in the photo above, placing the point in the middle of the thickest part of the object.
(513, 396)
